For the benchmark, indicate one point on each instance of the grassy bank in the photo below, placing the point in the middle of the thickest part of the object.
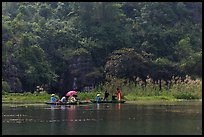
(186, 89)
(26, 97)
(173, 89)
(43, 97)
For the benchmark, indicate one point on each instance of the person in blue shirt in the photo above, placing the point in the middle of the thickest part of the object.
(98, 97)
(63, 99)
(53, 99)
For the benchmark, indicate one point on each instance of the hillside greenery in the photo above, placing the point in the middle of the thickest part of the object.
(49, 43)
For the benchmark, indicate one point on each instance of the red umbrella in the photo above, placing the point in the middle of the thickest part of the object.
(71, 93)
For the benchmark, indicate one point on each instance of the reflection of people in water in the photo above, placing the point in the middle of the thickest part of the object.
(62, 106)
(52, 106)
(119, 105)
(71, 116)
(97, 106)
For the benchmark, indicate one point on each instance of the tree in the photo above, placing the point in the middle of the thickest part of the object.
(165, 36)
(36, 70)
(126, 63)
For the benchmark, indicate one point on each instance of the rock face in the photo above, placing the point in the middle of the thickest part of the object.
(77, 77)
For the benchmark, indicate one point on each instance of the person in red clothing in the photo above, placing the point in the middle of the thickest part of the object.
(119, 94)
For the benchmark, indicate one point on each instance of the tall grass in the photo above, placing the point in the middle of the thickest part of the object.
(187, 89)
(176, 88)
(130, 90)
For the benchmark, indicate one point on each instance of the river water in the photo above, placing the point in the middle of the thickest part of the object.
(179, 118)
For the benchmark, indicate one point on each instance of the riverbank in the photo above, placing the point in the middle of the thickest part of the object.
(166, 102)
(41, 98)
(138, 102)
(26, 97)
(129, 102)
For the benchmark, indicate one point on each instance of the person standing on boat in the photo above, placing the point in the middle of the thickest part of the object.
(119, 94)
(106, 95)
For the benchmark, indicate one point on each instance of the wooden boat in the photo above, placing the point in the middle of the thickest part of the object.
(108, 101)
(68, 103)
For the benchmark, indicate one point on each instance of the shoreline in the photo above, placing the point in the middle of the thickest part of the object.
(138, 102)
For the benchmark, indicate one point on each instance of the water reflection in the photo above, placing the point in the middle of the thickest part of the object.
(70, 116)
(97, 106)
(110, 119)
(119, 105)
(52, 118)
(106, 106)
(57, 106)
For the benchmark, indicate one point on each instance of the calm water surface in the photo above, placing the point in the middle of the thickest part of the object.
(103, 119)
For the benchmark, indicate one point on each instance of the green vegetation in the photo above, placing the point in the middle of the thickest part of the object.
(26, 97)
(187, 89)
(176, 88)
(5, 87)
(104, 45)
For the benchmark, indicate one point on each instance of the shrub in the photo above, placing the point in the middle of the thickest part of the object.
(5, 87)
(185, 96)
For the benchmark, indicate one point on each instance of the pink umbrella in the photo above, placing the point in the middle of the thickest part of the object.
(71, 93)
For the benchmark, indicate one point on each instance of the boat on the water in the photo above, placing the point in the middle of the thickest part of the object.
(108, 101)
(68, 103)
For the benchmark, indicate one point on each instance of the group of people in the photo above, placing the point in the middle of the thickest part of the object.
(74, 98)
(64, 99)
(115, 96)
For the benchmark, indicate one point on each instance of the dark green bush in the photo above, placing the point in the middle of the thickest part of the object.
(185, 96)
(5, 87)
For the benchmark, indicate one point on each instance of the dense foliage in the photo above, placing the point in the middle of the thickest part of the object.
(51, 43)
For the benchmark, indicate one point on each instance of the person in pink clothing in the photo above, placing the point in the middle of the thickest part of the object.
(119, 94)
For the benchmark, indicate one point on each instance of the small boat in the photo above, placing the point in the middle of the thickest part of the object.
(68, 103)
(108, 101)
